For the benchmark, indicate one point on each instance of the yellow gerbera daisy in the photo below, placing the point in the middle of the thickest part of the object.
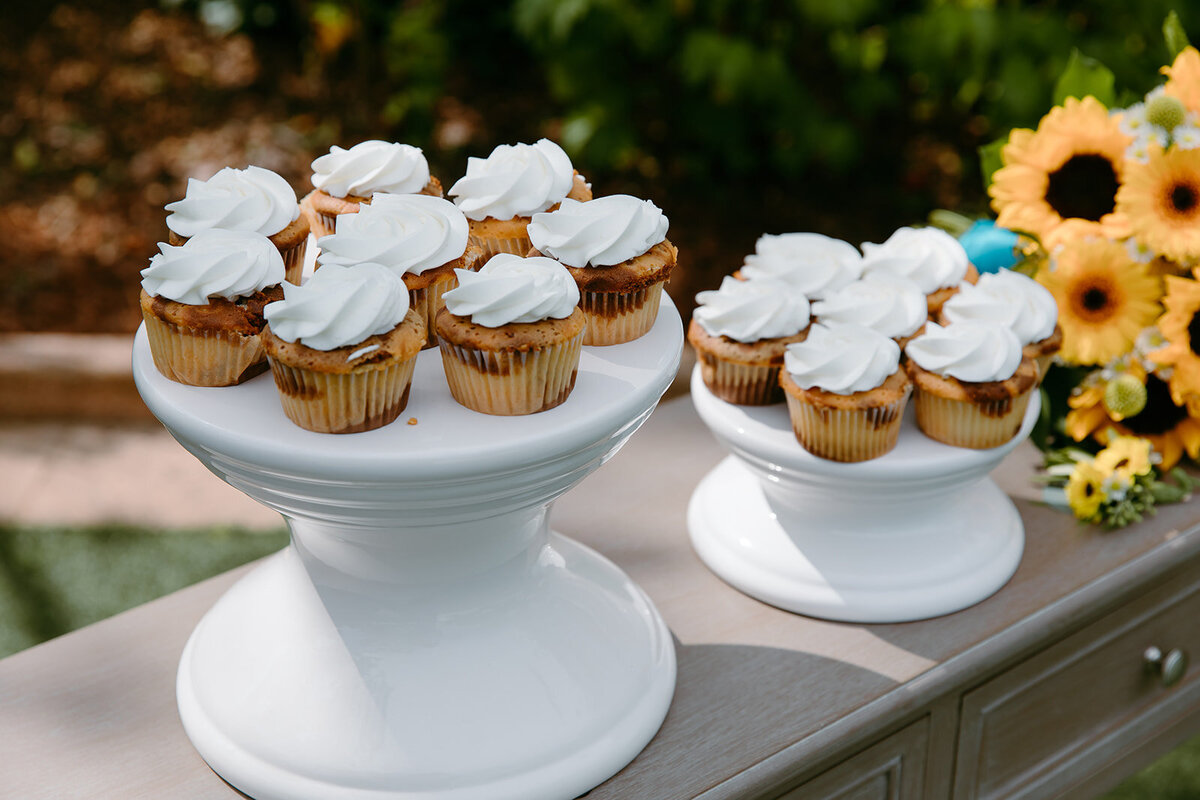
(1161, 201)
(1126, 457)
(1165, 425)
(1104, 297)
(1060, 181)
(1180, 326)
(1085, 490)
(1183, 78)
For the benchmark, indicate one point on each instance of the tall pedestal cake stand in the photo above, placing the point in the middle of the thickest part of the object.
(920, 532)
(425, 635)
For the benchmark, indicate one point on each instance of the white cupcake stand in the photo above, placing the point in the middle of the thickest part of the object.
(919, 532)
(425, 635)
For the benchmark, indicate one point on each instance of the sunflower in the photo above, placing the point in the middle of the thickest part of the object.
(1183, 78)
(1061, 181)
(1161, 201)
(1104, 299)
(1180, 326)
(1164, 424)
(1085, 490)
(1126, 457)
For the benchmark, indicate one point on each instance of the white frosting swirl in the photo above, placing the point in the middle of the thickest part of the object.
(339, 306)
(747, 311)
(975, 352)
(516, 180)
(250, 199)
(369, 167)
(214, 263)
(1009, 298)
(404, 232)
(812, 262)
(887, 304)
(600, 232)
(929, 256)
(509, 289)
(842, 358)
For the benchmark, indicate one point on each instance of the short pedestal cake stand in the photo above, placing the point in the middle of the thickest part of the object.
(919, 532)
(425, 635)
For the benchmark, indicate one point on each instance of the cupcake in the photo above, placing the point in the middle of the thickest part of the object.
(251, 199)
(930, 257)
(1016, 301)
(345, 179)
(845, 391)
(202, 302)
(422, 239)
(885, 303)
(342, 348)
(501, 193)
(740, 332)
(511, 335)
(971, 383)
(812, 263)
(617, 251)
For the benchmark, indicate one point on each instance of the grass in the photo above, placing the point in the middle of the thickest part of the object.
(54, 580)
(1175, 776)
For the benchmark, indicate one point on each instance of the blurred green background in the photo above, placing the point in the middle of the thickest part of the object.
(737, 118)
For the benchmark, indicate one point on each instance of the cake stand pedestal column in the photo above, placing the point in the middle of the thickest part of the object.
(424, 635)
(919, 532)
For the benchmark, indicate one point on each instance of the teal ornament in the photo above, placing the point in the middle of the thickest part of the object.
(990, 248)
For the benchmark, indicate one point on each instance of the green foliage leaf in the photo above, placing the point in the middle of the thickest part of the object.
(1174, 35)
(990, 159)
(1085, 76)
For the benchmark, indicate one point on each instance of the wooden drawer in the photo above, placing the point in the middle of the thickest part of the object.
(892, 769)
(1088, 700)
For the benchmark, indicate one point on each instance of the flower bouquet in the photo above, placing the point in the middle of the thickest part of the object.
(1106, 201)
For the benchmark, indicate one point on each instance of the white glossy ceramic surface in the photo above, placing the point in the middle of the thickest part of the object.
(424, 635)
(917, 533)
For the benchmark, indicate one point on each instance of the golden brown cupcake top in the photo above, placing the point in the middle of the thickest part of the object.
(242, 315)
(514, 227)
(324, 203)
(764, 352)
(653, 266)
(894, 388)
(292, 235)
(400, 343)
(515, 336)
(983, 393)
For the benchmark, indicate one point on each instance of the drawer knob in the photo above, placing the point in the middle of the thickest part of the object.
(1168, 667)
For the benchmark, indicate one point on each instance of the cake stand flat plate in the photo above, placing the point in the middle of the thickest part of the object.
(434, 437)
(917, 533)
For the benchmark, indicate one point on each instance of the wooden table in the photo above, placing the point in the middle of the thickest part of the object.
(1039, 691)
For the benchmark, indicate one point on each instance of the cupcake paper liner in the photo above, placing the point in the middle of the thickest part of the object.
(849, 434)
(511, 382)
(427, 302)
(202, 357)
(743, 384)
(517, 247)
(293, 261)
(962, 423)
(617, 317)
(325, 402)
(1043, 364)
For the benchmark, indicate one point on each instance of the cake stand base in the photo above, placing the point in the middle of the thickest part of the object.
(294, 690)
(958, 554)
(424, 636)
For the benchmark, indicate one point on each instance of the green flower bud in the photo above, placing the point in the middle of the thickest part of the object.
(1124, 396)
(1166, 112)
